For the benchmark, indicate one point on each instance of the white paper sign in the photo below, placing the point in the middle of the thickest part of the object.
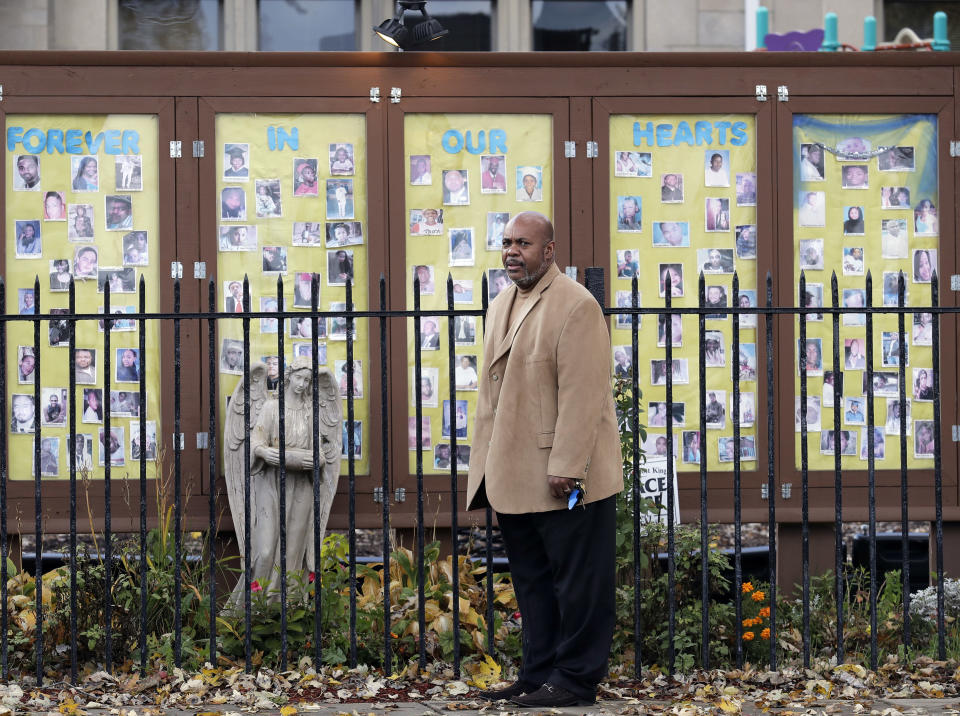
(653, 486)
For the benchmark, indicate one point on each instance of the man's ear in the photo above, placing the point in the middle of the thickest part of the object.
(549, 249)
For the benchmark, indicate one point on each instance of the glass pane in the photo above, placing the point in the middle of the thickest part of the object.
(683, 200)
(580, 24)
(865, 200)
(307, 25)
(169, 25)
(82, 200)
(918, 16)
(467, 20)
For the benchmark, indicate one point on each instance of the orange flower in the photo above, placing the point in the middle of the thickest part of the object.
(758, 596)
(748, 623)
(765, 634)
(765, 612)
(748, 636)
(747, 587)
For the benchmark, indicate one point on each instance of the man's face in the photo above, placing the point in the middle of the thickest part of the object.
(23, 409)
(28, 170)
(340, 233)
(464, 362)
(53, 206)
(811, 353)
(236, 289)
(453, 180)
(28, 299)
(26, 365)
(716, 259)
(527, 252)
(855, 407)
(234, 356)
(119, 211)
(661, 446)
(730, 449)
(232, 199)
(672, 233)
(430, 217)
(83, 359)
(813, 154)
(716, 162)
(54, 401)
(493, 165)
(423, 273)
(429, 327)
(627, 257)
(236, 161)
(856, 176)
(629, 208)
(670, 180)
(86, 262)
(529, 183)
(421, 168)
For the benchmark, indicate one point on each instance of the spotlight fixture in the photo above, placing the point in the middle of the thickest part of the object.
(394, 32)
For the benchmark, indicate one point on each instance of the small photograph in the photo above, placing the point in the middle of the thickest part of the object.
(715, 260)
(529, 183)
(811, 162)
(268, 304)
(85, 173)
(496, 223)
(26, 365)
(629, 216)
(305, 350)
(79, 222)
(429, 387)
(924, 264)
(497, 281)
(747, 189)
(671, 274)
(26, 172)
(236, 161)
(848, 442)
(748, 408)
(923, 329)
(441, 456)
(268, 199)
(58, 330)
(120, 279)
(231, 356)
(26, 302)
(671, 233)
(430, 333)
(925, 222)
(812, 208)
(658, 371)
(493, 178)
(853, 221)
(29, 241)
(274, 259)
(54, 208)
(425, 442)
(625, 300)
(813, 413)
(338, 324)
(307, 233)
(811, 254)
(340, 370)
(233, 297)
(84, 451)
(676, 333)
(890, 346)
(897, 159)
(748, 362)
(463, 290)
(112, 446)
(658, 414)
(53, 407)
(854, 298)
(885, 384)
(622, 361)
(852, 261)
(233, 204)
(339, 267)
(726, 449)
(463, 457)
(922, 384)
(124, 404)
(129, 172)
(151, 452)
(893, 240)
(127, 365)
(715, 411)
(22, 413)
(238, 238)
(456, 187)
(671, 188)
(855, 176)
(465, 330)
(118, 324)
(429, 222)
(656, 445)
(852, 149)
(716, 167)
(747, 299)
(92, 405)
(633, 164)
(811, 356)
(49, 457)
(853, 410)
(305, 177)
(717, 214)
(892, 424)
(895, 197)
(119, 212)
(465, 374)
(357, 440)
(691, 446)
(136, 249)
(425, 273)
(716, 298)
(879, 444)
(854, 354)
(925, 442)
(461, 247)
(341, 159)
(85, 366)
(627, 265)
(302, 327)
(420, 170)
(303, 289)
(339, 193)
(715, 354)
(460, 419)
(746, 241)
(60, 275)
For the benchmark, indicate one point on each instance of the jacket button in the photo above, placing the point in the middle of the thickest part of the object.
(495, 377)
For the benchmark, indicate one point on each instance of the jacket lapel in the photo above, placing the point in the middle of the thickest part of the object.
(503, 347)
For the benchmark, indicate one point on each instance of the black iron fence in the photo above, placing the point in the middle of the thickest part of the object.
(631, 420)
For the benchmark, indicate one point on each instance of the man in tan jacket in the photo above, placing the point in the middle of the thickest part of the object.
(545, 420)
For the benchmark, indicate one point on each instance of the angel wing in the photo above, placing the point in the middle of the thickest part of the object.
(331, 419)
(233, 441)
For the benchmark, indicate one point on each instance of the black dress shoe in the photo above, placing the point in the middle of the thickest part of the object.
(517, 688)
(551, 696)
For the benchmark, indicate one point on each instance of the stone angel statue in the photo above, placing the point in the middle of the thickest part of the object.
(264, 467)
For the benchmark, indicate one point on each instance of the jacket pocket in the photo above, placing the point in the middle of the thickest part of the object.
(545, 440)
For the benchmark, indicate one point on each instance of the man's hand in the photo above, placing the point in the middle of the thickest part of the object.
(561, 487)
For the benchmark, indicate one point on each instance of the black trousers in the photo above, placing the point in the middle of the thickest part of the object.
(563, 567)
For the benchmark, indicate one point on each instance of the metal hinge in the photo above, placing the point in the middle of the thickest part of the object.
(783, 94)
(378, 495)
(956, 433)
(786, 490)
(569, 150)
(197, 148)
(592, 151)
(764, 492)
(400, 494)
(955, 282)
(761, 93)
(180, 440)
(176, 269)
(199, 269)
(374, 94)
(176, 149)
(203, 441)
(955, 147)
(395, 95)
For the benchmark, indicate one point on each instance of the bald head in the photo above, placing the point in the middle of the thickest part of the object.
(528, 248)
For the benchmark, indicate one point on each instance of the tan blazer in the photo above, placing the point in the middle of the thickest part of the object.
(545, 404)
